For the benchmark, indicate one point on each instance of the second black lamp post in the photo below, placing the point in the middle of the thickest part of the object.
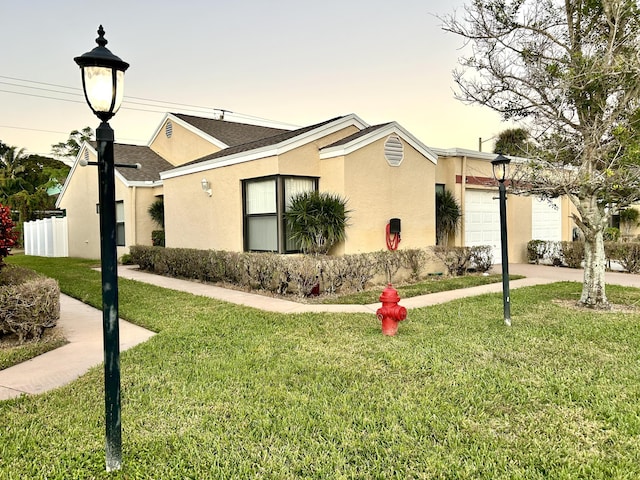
(500, 169)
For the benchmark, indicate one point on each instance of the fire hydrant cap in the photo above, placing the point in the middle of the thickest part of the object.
(389, 294)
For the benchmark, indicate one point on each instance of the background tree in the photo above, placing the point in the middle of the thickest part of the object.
(568, 70)
(448, 215)
(513, 141)
(317, 221)
(26, 182)
(69, 150)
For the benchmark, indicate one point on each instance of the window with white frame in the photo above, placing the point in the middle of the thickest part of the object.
(265, 201)
(120, 224)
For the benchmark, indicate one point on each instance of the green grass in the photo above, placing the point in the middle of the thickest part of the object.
(433, 284)
(13, 354)
(224, 391)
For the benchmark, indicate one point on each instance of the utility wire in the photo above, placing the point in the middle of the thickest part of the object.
(184, 106)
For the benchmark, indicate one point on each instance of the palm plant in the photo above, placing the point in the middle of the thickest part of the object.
(317, 221)
(156, 212)
(448, 215)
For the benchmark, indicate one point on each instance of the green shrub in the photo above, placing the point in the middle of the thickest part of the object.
(414, 260)
(573, 253)
(157, 238)
(626, 254)
(536, 251)
(611, 234)
(281, 273)
(481, 258)
(29, 303)
(456, 259)
(390, 261)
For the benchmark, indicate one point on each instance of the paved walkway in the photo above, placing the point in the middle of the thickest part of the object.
(82, 324)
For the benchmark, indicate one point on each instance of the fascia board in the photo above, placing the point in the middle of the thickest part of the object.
(145, 183)
(376, 135)
(269, 151)
(463, 152)
(188, 127)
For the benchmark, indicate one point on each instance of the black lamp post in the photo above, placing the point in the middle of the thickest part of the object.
(102, 82)
(500, 164)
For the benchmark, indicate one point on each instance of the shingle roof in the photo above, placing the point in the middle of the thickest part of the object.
(230, 133)
(264, 142)
(152, 163)
(356, 135)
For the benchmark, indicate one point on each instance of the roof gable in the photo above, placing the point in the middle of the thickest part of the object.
(151, 164)
(372, 134)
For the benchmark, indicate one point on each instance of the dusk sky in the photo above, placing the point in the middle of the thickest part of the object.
(292, 61)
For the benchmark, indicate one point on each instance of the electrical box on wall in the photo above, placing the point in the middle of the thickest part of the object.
(394, 225)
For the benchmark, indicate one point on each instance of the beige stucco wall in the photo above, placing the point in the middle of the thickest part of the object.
(377, 192)
(79, 200)
(183, 146)
(83, 222)
(195, 220)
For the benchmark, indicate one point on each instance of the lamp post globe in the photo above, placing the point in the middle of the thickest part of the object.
(103, 85)
(102, 78)
(500, 166)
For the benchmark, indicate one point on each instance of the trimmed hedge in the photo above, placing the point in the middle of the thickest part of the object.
(29, 303)
(571, 254)
(283, 274)
(460, 260)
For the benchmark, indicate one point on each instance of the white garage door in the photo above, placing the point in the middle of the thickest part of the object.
(546, 220)
(482, 221)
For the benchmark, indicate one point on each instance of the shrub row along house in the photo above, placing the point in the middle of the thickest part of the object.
(225, 186)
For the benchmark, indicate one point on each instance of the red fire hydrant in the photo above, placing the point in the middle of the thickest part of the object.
(390, 313)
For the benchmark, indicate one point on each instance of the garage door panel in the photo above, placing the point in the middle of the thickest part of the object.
(546, 220)
(482, 221)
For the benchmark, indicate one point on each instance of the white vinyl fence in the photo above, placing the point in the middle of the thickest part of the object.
(46, 238)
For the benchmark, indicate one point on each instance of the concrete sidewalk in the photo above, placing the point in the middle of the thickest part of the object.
(82, 325)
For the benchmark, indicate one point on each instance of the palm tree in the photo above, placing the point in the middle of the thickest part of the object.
(317, 221)
(11, 162)
(448, 215)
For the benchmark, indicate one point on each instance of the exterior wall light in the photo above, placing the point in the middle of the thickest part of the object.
(206, 186)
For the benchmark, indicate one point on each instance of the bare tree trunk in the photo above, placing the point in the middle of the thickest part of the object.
(593, 286)
(592, 223)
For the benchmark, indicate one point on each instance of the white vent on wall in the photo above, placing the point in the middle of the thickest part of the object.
(168, 129)
(86, 156)
(393, 150)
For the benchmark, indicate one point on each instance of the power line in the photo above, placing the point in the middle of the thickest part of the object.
(184, 106)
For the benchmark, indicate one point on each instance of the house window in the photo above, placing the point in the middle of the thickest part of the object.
(265, 201)
(120, 224)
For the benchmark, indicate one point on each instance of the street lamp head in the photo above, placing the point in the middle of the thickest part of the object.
(500, 165)
(102, 78)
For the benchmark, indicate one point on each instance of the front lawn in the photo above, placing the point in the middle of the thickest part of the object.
(433, 284)
(225, 391)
